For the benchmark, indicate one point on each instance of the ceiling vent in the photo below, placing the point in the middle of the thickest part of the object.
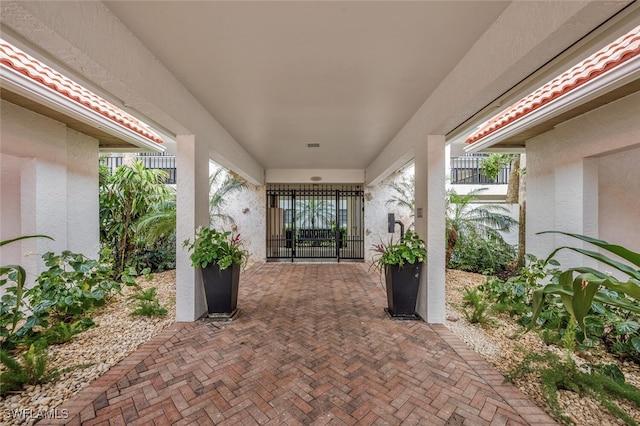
(313, 145)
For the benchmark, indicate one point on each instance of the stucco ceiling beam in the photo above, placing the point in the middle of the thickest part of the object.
(88, 39)
(522, 39)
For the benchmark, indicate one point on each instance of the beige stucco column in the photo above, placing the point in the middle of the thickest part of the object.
(430, 225)
(192, 211)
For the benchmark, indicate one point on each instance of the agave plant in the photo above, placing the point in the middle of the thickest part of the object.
(579, 287)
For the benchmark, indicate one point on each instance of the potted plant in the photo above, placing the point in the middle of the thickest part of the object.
(219, 256)
(402, 263)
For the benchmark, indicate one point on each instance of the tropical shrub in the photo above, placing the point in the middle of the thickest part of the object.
(215, 247)
(604, 382)
(514, 295)
(475, 254)
(473, 233)
(155, 243)
(494, 163)
(29, 369)
(126, 196)
(154, 256)
(579, 288)
(73, 285)
(148, 304)
(409, 249)
(62, 332)
(15, 323)
(476, 307)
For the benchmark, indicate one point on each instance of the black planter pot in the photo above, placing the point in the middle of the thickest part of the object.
(402, 289)
(221, 288)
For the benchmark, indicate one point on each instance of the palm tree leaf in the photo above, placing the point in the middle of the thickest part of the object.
(628, 255)
(602, 258)
(24, 237)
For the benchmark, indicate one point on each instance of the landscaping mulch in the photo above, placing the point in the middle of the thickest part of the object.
(119, 334)
(503, 344)
(94, 352)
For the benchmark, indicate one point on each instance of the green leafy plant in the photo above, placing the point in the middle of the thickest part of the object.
(494, 163)
(148, 308)
(155, 255)
(468, 221)
(602, 382)
(149, 294)
(72, 285)
(476, 307)
(14, 322)
(617, 329)
(61, 332)
(30, 369)
(155, 242)
(578, 288)
(215, 247)
(148, 304)
(409, 249)
(514, 295)
(126, 196)
(475, 254)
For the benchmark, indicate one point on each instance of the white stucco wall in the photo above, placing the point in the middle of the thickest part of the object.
(619, 198)
(376, 211)
(89, 39)
(248, 210)
(583, 177)
(49, 184)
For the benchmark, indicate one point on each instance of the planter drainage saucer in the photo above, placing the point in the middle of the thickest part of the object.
(218, 317)
(413, 317)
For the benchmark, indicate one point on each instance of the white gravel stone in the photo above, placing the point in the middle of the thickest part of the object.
(501, 346)
(116, 335)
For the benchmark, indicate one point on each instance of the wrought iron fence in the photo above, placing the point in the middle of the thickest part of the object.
(151, 161)
(467, 170)
(313, 222)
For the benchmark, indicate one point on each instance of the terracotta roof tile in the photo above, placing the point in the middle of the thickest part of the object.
(13, 58)
(607, 58)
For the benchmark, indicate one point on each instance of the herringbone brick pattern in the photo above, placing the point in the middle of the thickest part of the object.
(312, 345)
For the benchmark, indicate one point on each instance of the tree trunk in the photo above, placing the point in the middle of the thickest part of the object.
(452, 239)
(522, 220)
(513, 189)
(522, 235)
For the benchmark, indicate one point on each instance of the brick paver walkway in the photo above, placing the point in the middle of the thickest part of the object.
(312, 345)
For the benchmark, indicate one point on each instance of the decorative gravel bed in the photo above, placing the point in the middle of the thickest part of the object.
(119, 334)
(501, 345)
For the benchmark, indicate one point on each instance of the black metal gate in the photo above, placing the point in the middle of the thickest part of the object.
(315, 222)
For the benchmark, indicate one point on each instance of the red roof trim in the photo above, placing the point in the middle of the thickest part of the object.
(17, 60)
(604, 60)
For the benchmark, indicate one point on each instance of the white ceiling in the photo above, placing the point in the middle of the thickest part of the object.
(280, 75)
